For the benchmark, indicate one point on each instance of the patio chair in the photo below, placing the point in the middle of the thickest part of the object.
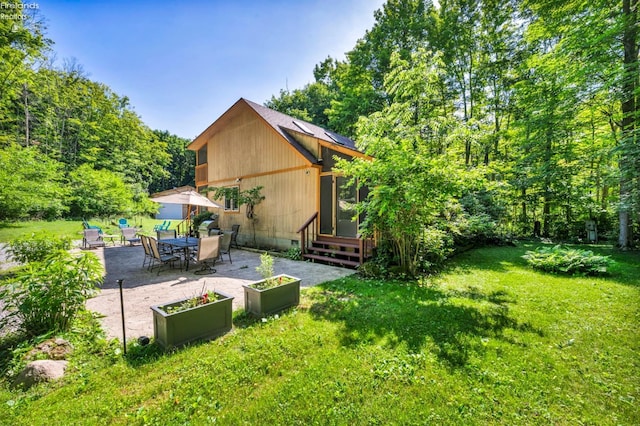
(123, 223)
(86, 225)
(159, 258)
(166, 226)
(207, 254)
(91, 238)
(225, 245)
(234, 229)
(160, 227)
(148, 256)
(129, 235)
(163, 234)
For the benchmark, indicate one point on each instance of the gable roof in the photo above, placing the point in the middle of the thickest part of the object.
(288, 127)
(283, 122)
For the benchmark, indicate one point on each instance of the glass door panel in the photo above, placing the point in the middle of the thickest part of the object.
(346, 225)
(326, 205)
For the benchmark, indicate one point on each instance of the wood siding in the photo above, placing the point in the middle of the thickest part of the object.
(247, 152)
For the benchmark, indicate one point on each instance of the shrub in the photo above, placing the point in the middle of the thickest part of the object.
(37, 246)
(45, 296)
(294, 253)
(559, 259)
(435, 247)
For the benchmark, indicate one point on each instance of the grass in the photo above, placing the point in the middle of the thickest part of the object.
(487, 341)
(71, 228)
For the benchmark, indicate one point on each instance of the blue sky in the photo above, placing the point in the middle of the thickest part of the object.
(183, 63)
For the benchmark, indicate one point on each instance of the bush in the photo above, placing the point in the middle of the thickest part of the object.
(435, 247)
(36, 247)
(201, 217)
(293, 253)
(558, 259)
(46, 296)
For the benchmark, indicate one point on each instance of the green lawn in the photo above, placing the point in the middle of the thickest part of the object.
(489, 341)
(71, 228)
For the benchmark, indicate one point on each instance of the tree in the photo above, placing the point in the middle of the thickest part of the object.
(99, 193)
(180, 171)
(30, 184)
(602, 37)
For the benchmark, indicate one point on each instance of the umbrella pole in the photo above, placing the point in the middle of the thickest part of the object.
(186, 234)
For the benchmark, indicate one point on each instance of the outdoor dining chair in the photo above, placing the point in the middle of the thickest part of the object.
(158, 258)
(148, 256)
(225, 245)
(234, 230)
(207, 254)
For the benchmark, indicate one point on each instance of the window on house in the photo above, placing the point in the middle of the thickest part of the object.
(202, 155)
(231, 200)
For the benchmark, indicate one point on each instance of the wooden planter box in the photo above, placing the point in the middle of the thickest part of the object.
(201, 322)
(265, 302)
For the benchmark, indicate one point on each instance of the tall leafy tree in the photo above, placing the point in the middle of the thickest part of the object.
(30, 184)
(181, 170)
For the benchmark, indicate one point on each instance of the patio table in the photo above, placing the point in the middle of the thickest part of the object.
(181, 243)
(110, 237)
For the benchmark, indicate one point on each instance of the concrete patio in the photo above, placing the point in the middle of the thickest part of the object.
(142, 289)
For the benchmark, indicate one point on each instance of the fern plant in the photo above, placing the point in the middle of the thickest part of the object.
(564, 260)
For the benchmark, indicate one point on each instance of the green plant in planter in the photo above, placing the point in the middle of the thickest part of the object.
(204, 316)
(273, 293)
(201, 299)
(266, 268)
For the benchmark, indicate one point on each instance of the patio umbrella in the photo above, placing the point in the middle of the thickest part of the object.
(188, 198)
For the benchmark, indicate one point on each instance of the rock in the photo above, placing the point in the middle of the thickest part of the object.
(40, 371)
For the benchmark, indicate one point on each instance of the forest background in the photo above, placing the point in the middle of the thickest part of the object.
(519, 116)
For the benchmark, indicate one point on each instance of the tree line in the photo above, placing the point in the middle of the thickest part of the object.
(522, 115)
(531, 104)
(70, 146)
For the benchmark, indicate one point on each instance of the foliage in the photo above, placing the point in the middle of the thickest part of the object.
(205, 296)
(249, 197)
(265, 269)
(572, 261)
(46, 296)
(201, 217)
(180, 171)
(100, 193)
(444, 350)
(30, 184)
(37, 246)
(294, 253)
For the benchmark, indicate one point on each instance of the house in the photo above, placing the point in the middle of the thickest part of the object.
(306, 204)
(170, 210)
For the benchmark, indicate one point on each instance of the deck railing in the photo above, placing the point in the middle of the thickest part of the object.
(308, 232)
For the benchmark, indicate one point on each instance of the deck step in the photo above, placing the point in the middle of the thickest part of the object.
(332, 260)
(345, 244)
(327, 251)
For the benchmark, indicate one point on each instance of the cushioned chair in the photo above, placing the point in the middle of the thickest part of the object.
(207, 254)
(130, 235)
